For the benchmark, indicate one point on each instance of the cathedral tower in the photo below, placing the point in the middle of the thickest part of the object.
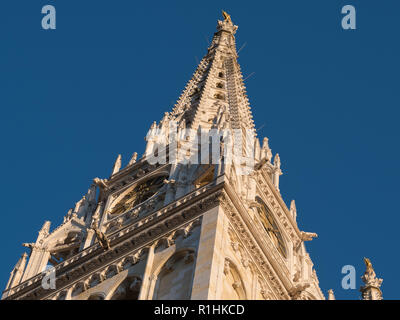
(198, 216)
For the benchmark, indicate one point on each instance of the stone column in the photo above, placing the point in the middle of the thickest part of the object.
(147, 282)
(88, 240)
(37, 262)
(209, 256)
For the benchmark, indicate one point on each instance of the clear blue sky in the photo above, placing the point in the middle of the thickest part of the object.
(328, 99)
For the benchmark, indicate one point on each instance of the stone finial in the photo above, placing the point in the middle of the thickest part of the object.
(266, 150)
(68, 216)
(17, 272)
(44, 231)
(293, 210)
(151, 131)
(21, 262)
(307, 236)
(226, 24)
(91, 194)
(331, 295)
(277, 171)
(117, 165)
(79, 204)
(101, 183)
(371, 290)
(277, 161)
(133, 159)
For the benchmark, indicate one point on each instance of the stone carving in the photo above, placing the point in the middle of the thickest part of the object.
(296, 291)
(371, 288)
(308, 236)
(266, 152)
(101, 237)
(331, 295)
(137, 227)
(227, 267)
(133, 159)
(293, 210)
(189, 257)
(117, 165)
(226, 16)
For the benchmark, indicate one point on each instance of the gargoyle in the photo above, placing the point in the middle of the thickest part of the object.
(102, 238)
(101, 183)
(296, 291)
(308, 236)
(260, 164)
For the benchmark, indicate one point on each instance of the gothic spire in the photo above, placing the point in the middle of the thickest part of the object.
(17, 272)
(117, 165)
(216, 95)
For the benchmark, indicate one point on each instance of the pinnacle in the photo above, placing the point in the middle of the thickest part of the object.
(215, 96)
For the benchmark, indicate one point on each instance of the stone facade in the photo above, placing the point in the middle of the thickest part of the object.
(180, 230)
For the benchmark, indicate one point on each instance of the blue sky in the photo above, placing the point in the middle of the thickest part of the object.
(73, 98)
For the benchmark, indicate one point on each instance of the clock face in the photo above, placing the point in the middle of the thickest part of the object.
(138, 194)
(271, 227)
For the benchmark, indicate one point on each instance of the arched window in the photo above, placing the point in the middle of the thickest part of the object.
(174, 282)
(220, 85)
(233, 286)
(271, 227)
(129, 289)
(219, 96)
(220, 74)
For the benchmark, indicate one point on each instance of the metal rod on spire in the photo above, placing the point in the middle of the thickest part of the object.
(242, 47)
(250, 75)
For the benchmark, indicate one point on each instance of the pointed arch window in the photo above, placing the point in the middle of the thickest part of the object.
(271, 227)
(219, 96)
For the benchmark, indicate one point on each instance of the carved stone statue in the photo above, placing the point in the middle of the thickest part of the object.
(277, 161)
(293, 209)
(371, 289)
(101, 237)
(266, 150)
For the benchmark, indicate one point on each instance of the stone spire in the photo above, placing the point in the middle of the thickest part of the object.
(371, 288)
(17, 272)
(39, 255)
(266, 151)
(133, 159)
(216, 90)
(117, 165)
(331, 295)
